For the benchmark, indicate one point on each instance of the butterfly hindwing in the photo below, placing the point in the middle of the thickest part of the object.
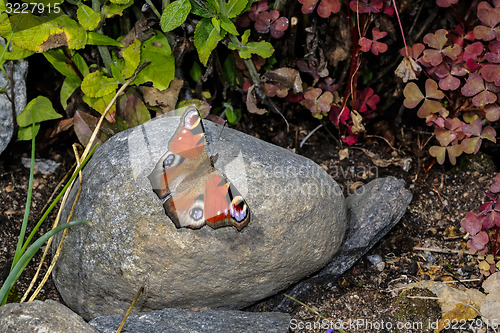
(193, 192)
(223, 204)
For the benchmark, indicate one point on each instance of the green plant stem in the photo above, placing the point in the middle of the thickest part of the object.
(248, 62)
(28, 255)
(153, 8)
(103, 50)
(56, 200)
(24, 225)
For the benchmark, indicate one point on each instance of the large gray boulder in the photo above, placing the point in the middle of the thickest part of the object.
(209, 321)
(38, 316)
(298, 220)
(7, 115)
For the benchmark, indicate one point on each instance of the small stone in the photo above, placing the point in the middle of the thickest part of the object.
(38, 316)
(210, 321)
(43, 166)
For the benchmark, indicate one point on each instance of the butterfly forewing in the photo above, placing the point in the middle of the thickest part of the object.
(192, 190)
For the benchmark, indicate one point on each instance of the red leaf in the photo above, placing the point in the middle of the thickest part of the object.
(492, 112)
(278, 27)
(474, 128)
(437, 40)
(471, 223)
(328, 7)
(472, 51)
(366, 6)
(376, 47)
(480, 240)
(491, 73)
(308, 6)
(365, 44)
(438, 152)
(257, 8)
(493, 219)
(336, 117)
(413, 51)
(446, 3)
(432, 91)
(494, 55)
(413, 95)
(317, 102)
(473, 86)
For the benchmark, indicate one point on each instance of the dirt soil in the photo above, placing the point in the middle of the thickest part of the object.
(367, 292)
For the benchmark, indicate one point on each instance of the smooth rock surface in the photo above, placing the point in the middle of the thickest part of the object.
(210, 321)
(297, 225)
(6, 116)
(38, 316)
(372, 211)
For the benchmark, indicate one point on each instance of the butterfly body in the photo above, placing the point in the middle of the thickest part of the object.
(193, 191)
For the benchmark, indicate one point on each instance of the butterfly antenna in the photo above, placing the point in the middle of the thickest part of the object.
(275, 109)
(223, 126)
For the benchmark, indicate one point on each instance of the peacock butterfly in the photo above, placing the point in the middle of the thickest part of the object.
(193, 191)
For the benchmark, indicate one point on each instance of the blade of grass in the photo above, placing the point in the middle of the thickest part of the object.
(49, 242)
(24, 225)
(56, 200)
(130, 309)
(28, 255)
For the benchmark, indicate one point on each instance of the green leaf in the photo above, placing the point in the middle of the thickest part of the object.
(132, 56)
(233, 115)
(42, 110)
(206, 39)
(16, 53)
(65, 65)
(95, 38)
(244, 38)
(42, 33)
(230, 70)
(214, 4)
(175, 14)
(100, 104)
(204, 11)
(195, 71)
(70, 84)
(112, 9)
(97, 85)
(80, 63)
(227, 25)
(262, 48)
(119, 2)
(26, 134)
(235, 7)
(161, 68)
(216, 24)
(116, 69)
(87, 17)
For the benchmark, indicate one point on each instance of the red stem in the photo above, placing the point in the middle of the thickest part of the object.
(495, 246)
(355, 60)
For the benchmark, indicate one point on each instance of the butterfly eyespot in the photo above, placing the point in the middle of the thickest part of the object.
(238, 209)
(168, 161)
(192, 119)
(196, 213)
